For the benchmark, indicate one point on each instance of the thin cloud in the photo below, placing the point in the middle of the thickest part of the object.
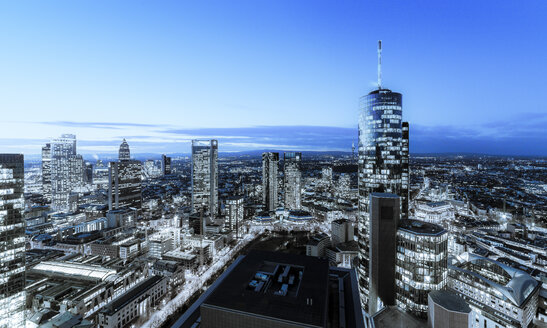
(100, 125)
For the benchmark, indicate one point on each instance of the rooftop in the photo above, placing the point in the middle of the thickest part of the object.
(317, 238)
(133, 293)
(384, 195)
(233, 293)
(449, 301)
(77, 270)
(437, 204)
(393, 317)
(516, 286)
(421, 227)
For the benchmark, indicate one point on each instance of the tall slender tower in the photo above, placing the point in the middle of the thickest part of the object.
(12, 238)
(125, 184)
(205, 176)
(46, 171)
(66, 171)
(405, 174)
(380, 168)
(292, 183)
(234, 217)
(124, 153)
(165, 165)
(270, 162)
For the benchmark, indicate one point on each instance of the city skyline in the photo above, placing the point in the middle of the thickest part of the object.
(190, 65)
(151, 192)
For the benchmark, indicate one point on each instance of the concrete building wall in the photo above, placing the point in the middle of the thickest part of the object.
(440, 317)
(384, 217)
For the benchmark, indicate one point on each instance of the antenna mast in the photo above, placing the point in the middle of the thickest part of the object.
(379, 64)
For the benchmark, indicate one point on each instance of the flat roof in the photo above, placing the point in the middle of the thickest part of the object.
(421, 227)
(233, 293)
(179, 255)
(392, 316)
(384, 195)
(437, 204)
(133, 293)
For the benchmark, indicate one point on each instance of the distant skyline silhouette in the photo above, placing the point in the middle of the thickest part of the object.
(271, 75)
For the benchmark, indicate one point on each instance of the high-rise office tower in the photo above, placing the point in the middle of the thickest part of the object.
(270, 162)
(380, 156)
(405, 173)
(46, 171)
(165, 165)
(422, 259)
(292, 180)
(384, 217)
(341, 231)
(124, 153)
(205, 176)
(326, 175)
(124, 184)
(12, 241)
(88, 172)
(66, 171)
(234, 214)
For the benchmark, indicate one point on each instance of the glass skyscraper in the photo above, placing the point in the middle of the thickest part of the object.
(165, 165)
(292, 180)
(234, 214)
(382, 166)
(380, 158)
(66, 170)
(12, 241)
(205, 176)
(270, 162)
(124, 184)
(46, 171)
(405, 173)
(422, 259)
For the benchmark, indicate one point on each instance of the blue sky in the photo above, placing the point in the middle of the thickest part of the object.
(271, 74)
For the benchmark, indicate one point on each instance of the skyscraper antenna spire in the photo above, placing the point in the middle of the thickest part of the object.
(379, 64)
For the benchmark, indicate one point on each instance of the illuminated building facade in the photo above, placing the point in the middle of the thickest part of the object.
(405, 171)
(270, 162)
(380, 169)
(46, 171)
(205, 176)
(499, 295)
(12, 241)
(382, 165)
(292, 180)
(124, 184)
(234, 214)
(422, 251)
(66, 171)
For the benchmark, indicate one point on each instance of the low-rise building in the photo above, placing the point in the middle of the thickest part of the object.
(134, 303)
(499, 295)
(317, 244)
(448, 310)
